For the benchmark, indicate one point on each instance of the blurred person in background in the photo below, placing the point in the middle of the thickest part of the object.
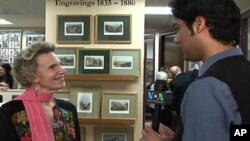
(6, 79)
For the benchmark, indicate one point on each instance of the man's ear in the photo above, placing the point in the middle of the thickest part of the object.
(199, 24)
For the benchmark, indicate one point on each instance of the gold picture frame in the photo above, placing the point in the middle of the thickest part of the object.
(87, 100)
(108, 133)
(113, 28)
(117, 105)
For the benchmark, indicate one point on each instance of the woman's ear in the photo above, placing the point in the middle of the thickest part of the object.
(35, 80)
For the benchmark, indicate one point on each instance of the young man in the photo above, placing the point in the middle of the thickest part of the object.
(209, 31)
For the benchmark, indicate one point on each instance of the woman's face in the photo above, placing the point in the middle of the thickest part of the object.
(50, 74)
(2, 71)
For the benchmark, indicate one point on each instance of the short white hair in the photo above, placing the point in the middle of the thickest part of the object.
(161, 75)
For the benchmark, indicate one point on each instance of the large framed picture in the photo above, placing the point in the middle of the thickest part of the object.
(10, 45)
(113, 28)
(119, 105)
(73, 29)
(106, 133)
(94, 61)
(125, 62)
(68, 59)
(87, 100)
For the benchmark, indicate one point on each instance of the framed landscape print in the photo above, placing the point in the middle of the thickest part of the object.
(87, 100)
(68, 59)
(113, 28)
(94, 61)
(73, 29)
(119, 105)
(125, 62)
(106, 133)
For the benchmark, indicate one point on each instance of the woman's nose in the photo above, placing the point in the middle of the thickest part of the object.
(62, 70)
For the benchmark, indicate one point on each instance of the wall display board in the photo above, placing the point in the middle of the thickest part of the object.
(34, 36)
(10, 45)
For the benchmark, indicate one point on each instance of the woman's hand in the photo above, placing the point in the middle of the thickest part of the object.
(165, 134)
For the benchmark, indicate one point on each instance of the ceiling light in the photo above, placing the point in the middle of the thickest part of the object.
(3, 22)
(158, 11)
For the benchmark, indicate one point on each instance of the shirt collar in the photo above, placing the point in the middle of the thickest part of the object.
(210, 61)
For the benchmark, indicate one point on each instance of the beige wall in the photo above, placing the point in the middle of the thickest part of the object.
(137, 42)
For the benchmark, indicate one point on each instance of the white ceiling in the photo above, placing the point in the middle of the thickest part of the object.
(31, 13)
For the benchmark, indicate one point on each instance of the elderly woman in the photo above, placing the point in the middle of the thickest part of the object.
(36, 115)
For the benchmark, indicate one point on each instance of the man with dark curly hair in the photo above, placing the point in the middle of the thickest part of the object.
(209, 31)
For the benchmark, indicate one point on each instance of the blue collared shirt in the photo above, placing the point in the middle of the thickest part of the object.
(208, 106)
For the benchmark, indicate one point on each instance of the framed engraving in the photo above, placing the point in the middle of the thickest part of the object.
(119, 105)
(113, 133)
(87, 100)
(94, 61)
(73, 29)
(125, 62)
(68, 59)
(113, 28)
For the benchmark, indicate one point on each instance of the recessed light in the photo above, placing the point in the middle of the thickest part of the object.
(4, 22)
(158, 11)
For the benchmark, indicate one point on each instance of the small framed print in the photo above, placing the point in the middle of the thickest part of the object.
(63, 94)
(87, 100)
(94, 61)
(73, 29)
(67, 60)
(113, 28)
(125, 62)
(119, 105)
(106, 133)
(34, 36)
(67, 57)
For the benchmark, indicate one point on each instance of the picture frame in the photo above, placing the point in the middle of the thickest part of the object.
(10, 45)
(63, 94)
(108, 133)
(116, 105)
(87, 100)
(68, 58)
(34, 36)
(113, 28)
(125, 62)
(83, 133)
(94, 61)
(74, 29)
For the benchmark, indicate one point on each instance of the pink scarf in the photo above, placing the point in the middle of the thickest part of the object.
(41, 127)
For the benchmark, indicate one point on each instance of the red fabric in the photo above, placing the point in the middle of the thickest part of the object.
(41, 127)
